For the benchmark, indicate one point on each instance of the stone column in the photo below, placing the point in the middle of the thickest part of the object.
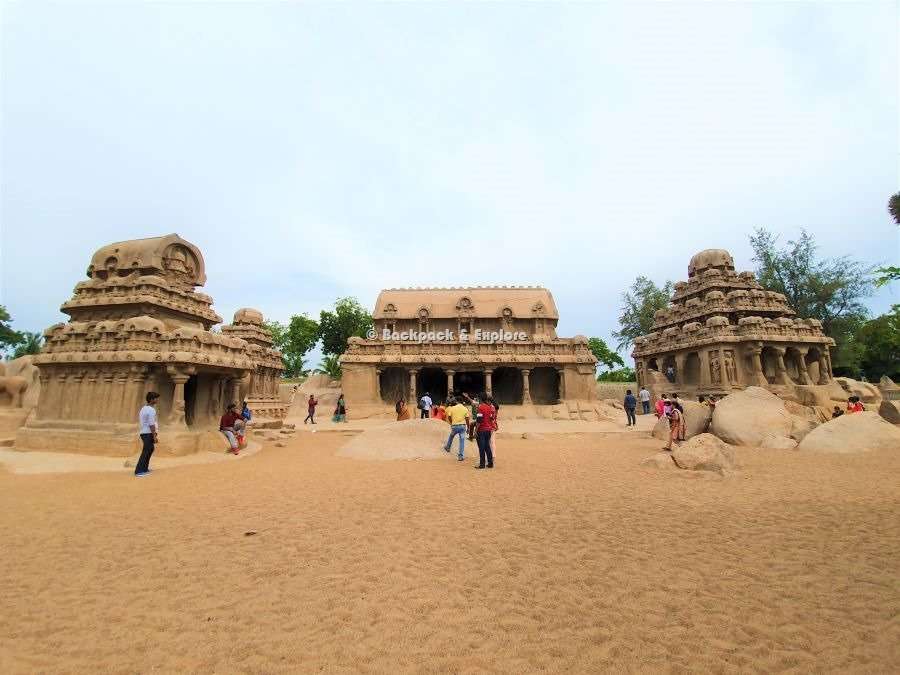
(723, 371)
(703, 353)
(90, 409)
(46, 377)
(450, 374)
(376, 395)
(801, 367)
(70, 399)
(119, 406)
(488, 384)
(411, 398)
(739, 365)
(106, 397)
(823, 369)
(561, 372)
(781, 376)
(679, 368)
(177, 417)
(758, 372)
(526, 388)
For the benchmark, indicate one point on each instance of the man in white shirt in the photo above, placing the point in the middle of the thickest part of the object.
(425, 405)
(148, 429)
(644, 395)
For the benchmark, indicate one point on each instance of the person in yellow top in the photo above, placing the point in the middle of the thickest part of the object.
(458, 416)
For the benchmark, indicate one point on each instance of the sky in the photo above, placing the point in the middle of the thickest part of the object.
(320, 150)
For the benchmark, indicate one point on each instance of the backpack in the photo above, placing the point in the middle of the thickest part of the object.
(420, 405)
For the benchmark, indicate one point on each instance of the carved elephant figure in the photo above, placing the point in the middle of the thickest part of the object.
(15, 386)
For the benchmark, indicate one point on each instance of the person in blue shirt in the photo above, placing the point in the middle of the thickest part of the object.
(630, 404)
(245, 412)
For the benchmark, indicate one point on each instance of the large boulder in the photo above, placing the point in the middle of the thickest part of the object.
(890, 411)
(854, 432)
(696, 421)
(867, 392)
(745, 417)
(778, 442)
(661, 460)
(705, 453)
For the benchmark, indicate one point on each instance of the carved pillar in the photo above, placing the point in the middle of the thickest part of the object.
(136, 389)
(450, 374)
(376, 395)
(90, 409)
(43, 408)
(679, 367)
(726, 381)
(781, 376)
(739, 366)
(526, 388)
(177, 417)
(70, 400)
(106, 397)
(488, 383)
(119, 405)
(412, 398)
(704, 367)
(823, 369)
(801, 366)
(561, 372)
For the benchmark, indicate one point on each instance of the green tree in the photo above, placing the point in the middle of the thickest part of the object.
(894, 207)
(624, 374)
(330, 366)
(879, 344)
(349, 319)
(294, 340)
(604, 355)
(31, 344)
(8, 337)
(640, 303)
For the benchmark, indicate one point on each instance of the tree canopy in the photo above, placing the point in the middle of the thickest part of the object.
(640, 303)
(349, 319)
(294, 340)
(8, 337)
(31, 344)
(604, 355)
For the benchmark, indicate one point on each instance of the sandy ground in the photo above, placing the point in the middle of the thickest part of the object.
(566, 557)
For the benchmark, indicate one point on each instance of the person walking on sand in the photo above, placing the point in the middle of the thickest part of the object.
(148, 432)
(676, 425)
(458, 416)
(485, 420)
(425, 405)
(340, 410)
(630, 403)
(402, 410)
(644, 395)
(311, 410)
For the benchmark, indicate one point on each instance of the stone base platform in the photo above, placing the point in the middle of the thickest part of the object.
(116, 443)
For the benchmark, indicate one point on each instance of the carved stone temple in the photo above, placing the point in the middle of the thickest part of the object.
(261, 387)
(498, 339)
(137, 324)
(723, 331)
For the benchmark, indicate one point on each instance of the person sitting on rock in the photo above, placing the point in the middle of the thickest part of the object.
(837, 412)
(854, 405)
(232, 427)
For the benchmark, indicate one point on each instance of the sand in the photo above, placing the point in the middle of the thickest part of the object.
(409, 439)
(569, 556)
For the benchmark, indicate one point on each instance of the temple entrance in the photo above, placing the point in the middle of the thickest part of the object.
(543, 383)
(692, 369)
(394, 384)
(433, 381)
(190, 400)
(791, 363)
(669, 369)
(469, 382)
(507, 386)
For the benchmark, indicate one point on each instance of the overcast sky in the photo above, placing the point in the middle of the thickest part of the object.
(314, 151)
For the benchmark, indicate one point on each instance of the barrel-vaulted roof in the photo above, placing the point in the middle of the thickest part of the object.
(480, 302)
(165, 255)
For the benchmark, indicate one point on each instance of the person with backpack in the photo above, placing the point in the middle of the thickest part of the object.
(425, 405)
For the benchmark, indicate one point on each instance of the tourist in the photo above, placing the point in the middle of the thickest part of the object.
(854, 405)
(231, 425)
(311, 409)
(486, 415)
(644, 395)
(148, 432)
(630, 403)
(402, 410)
(245, 413)
(458, 416)
(837, 412)
(661, 405)
(670, 374)
(676, 403)
(496, 424)
(340, 410)
(676, 425)
(425, 405)
(440, 411)
(473, 402)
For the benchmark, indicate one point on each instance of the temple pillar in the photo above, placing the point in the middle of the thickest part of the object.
(90, 410)
(679, 367)
(413, 372)
(106, 414)
(561, 373)
(526, 388)
(119, 406)
(801, 367)
(823, 369)
(177, 417)
(70, 399)
(741, 376)
(758, 372)
(723, 371)
(450, 374)
(703, 353)
(488, 384)
(376, 395)
(781, 376)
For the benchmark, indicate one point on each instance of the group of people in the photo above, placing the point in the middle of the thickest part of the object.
(468, 415)
(340, 410)
(854, 405)
(232, 425)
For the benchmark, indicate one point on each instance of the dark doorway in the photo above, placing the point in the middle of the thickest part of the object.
(543, 383)
(433, 381)
(394, 384)
(692, 368)
(190, 400)
(507, 386)
(469, 382)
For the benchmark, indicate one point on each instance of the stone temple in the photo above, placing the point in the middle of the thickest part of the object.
(138, 324)
(723, 331)
(498, 339)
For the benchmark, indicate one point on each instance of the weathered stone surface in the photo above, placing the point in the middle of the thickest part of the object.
(890, 411)
(778, 442)
(705, 453)
(850, 433)
(745, 417)
(867, 392)
(661, 460)
(800, 426)
(696, 421)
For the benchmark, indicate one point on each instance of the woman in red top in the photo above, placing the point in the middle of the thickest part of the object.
(853, 405)
(487, 418)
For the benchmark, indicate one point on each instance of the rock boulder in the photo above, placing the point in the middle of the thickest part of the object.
(850, 433)
(890, 411)
(705, 453)
(745, 417)
(696, 421)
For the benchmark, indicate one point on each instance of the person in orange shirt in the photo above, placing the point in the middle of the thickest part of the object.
(854, 405)
(486, 418)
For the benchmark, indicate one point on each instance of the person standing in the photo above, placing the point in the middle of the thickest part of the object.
(486, 417)
(661, 403)
(340, 410)
(425, 405)
(245, 413)
(311, 409)
(644, 395)
(458, 416)
(676, 426)
(630, 404)
(148, 432)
